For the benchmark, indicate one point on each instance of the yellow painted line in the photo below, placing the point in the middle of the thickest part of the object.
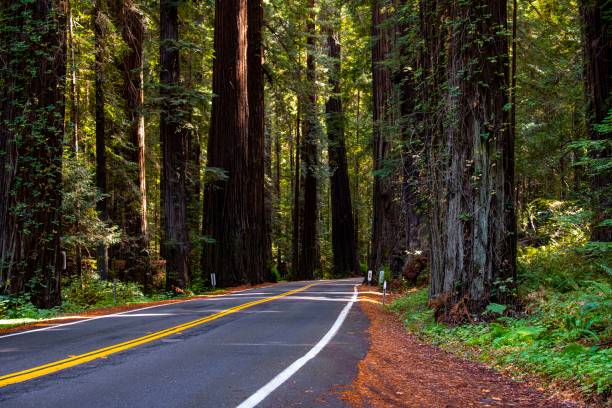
(72, 361)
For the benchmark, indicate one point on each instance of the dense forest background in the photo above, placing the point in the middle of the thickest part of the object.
(460, 143)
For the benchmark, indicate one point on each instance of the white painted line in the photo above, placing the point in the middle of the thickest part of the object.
(277, 381)
(215, 297)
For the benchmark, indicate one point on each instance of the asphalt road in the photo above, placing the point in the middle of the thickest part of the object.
(270, 352)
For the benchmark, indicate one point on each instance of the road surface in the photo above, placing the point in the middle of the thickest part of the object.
(292, 344)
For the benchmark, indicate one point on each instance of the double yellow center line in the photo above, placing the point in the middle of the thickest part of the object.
(55, 366)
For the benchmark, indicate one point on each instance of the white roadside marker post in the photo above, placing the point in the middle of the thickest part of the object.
(213, 280)
(384, 291)
(369, 277)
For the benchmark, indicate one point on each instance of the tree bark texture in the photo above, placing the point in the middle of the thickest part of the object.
(343, 229)
(129, 208)
(226, 217)
(475, 158)
(100, 119)
(309, 237)
(174, 141)
(32, 108)
(259, 239)
(386, 225)
(597, 49)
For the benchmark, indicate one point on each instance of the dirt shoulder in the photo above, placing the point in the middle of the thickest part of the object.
(87, 314)
(401, 371)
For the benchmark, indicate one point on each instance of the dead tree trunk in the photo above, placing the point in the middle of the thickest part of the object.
(343, 229)
(32, 112)
(226, 215)
(174, 141)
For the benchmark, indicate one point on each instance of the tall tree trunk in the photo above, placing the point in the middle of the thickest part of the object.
(258, 218)
(32, 112)
(597, 49)
(101, 184)
(130, 186)
(226, 216)
(478, 214)
(343, 230)
(295, 237)
(432, 14)
(309, 239)
(413, 139)
(74, 104)
(193, 185)
(382, 195)
(174, 140)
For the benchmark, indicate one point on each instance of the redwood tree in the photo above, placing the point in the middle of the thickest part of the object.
(100, 117)
(308, 261)
(174, 141)
(259, 239)
(343, 229)
(226, 217)
(382, 194)
(475, 189)
(131, 192)
(597, 49)
(32, 78)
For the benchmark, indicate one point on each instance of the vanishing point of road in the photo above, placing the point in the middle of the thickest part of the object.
(290, 344)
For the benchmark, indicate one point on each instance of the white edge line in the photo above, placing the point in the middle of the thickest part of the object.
(89, 319)
(284, 375)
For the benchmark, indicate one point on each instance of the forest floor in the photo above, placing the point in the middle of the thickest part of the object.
(91, 313)
(401, 371)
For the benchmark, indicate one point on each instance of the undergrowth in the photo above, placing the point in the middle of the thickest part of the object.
(565, 331)
(81, 294)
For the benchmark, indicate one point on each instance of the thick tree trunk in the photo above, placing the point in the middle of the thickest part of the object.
(477, 215)
(343, 230)
(432, 14)
(597, 49)
(101, 184)
(309, 237)
(32, 115)
(129, 186)
(174, 141)
(226, 216)
(413, 144)
(258, 218)
(383, 214)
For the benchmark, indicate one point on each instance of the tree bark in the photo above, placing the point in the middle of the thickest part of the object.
(343, 229)
(597, 50)
(129, 186)
(174, 141)
(74, 105)
(309, 239)
(382, 194)
(295, 237)
(258, 216)
(478, 264)
(32, 109)
(100, 118)
(226, 217)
